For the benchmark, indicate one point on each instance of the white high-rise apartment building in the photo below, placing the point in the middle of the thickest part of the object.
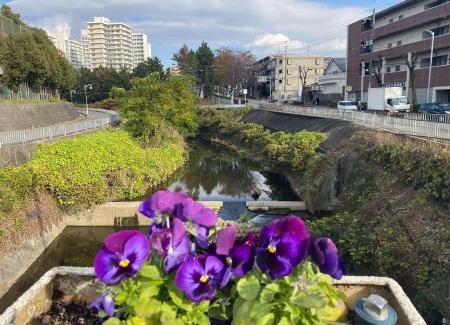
(103, 43)
(141, 48)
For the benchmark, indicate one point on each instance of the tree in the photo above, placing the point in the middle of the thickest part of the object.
(205, 70)
(411, 63)
(6, 11)
(186, 60)
(153, 105)
(303, 72)
(234, 68)
(148, 67)
(377, 70)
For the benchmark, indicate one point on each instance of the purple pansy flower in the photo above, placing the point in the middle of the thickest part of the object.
(239, 256)
(324, 254)
(162, 202)
(121, 256)
(197, 213)
(200, 277)
(171, 243)
(103, 303)
(282, 246)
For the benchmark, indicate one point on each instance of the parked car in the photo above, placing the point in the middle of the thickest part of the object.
(435, 108)
(347, 105)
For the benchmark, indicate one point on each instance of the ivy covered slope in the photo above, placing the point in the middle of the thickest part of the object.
(393, 218)
(296, 151)
(76, 173)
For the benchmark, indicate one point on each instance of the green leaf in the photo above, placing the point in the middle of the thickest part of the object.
(241, 311)
(201, 319)
(267, 319)
(248, 287)
(260, 309)
(203, 306)
(284, 321)
(309, 301)
(113, 321)
(147, 307)
(151, 272)
(268, 292)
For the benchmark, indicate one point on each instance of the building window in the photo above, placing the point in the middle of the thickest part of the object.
(280, 81)
(397, 68)
(289, 61)
(442, 30)
(367, 25)
(399, 43)
(289, 71)
(388, 69)
(366, 69)
(400, 17)
(437, 61)
(289, 81)
(434, 4)
(281, 61)
(389, 45)
(366, 46)
(280, 71)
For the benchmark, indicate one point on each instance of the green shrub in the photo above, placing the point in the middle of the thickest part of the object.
(93, 168)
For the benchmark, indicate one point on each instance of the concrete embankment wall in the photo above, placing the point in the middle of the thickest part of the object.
(337, 130)
(18, 116)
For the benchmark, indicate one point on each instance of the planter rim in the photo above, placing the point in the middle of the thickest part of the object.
(405, 303)
(7, 318)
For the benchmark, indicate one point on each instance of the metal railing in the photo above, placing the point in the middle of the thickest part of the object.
(57, 131)
(394, 124)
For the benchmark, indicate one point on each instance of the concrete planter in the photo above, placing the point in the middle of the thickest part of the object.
(76, 283)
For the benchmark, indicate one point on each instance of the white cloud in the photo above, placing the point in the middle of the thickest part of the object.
(262, 24)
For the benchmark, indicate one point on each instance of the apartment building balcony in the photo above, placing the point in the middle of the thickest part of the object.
(331, 78)
(423, 46)
(423, 18)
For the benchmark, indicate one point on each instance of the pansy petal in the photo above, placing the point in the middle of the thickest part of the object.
(339, 272)
(331, 262)
(109, 306)
(188, 274)
(225, 240)
(115, 241)
(145, 208)
(226, 277)
(243, 258)
(279, 267)
(106, 268)
(137, 250)
(207, 218)
(178, 231)
(166, 201)
(160, 241)
(202, 237)
(266, 234)
(177, 255)
(292, 224)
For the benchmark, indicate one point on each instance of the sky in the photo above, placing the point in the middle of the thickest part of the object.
(309, 27)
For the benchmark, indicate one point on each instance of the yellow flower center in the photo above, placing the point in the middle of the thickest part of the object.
(229, 260)
(124, 263)
(204, 279)
(272, 249)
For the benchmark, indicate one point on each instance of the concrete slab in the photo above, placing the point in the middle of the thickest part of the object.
(273, 205)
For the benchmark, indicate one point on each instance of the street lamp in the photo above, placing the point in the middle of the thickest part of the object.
(431, 64)
(73, 91)
(85, 95)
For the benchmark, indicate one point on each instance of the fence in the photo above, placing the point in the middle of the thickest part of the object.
(24, 92)
(57, 131)
(7, 26)
(390, 123)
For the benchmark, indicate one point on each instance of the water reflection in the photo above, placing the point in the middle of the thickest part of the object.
(214, 174)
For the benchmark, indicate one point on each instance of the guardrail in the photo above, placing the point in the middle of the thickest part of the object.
(438, 118)
(57, 131)
(389, 123)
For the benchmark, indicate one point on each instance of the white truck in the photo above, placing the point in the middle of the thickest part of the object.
(388, 99)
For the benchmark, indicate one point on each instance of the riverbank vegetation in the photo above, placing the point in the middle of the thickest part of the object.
(297, 150)
(392, 212)
(76, 173)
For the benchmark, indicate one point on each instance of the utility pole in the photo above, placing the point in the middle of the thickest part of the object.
(363, 72)
(371, 50)
(431, 65)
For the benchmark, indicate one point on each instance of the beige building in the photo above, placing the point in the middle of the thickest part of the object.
(141, 48)
(283, 75)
